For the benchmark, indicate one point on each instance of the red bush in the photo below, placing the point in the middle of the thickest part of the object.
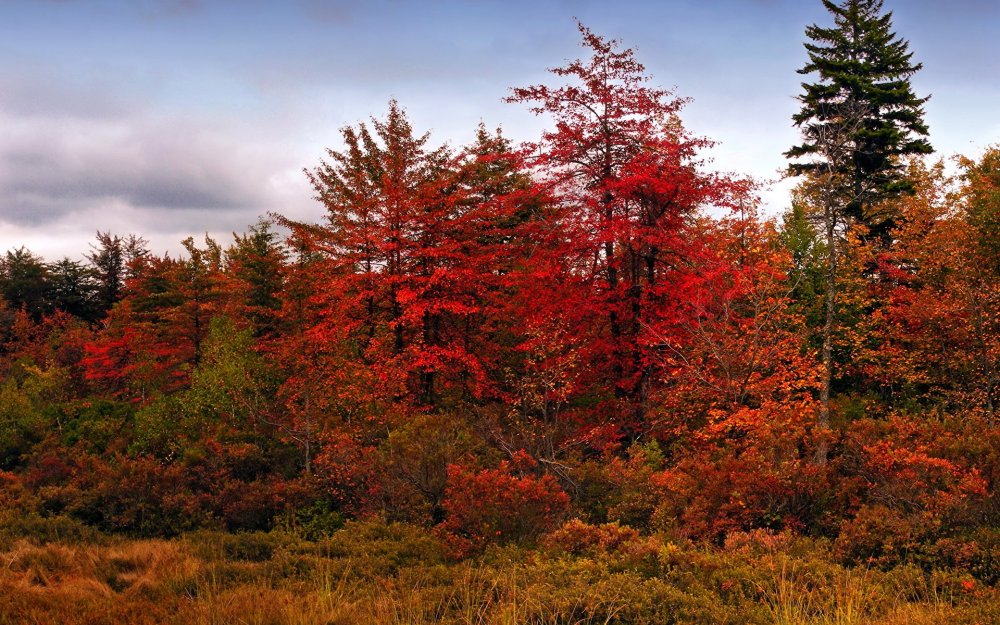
(495, 505)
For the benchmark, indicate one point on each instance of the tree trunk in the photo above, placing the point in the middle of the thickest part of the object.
(823, 424)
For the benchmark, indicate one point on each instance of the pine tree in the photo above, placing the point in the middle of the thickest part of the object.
(255, 267)
(863, 84)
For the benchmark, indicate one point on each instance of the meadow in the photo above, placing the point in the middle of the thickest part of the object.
(373, 573)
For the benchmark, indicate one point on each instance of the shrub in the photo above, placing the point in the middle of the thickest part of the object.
(495, 505)
(41, 529)
(577, 537)
(413, 470)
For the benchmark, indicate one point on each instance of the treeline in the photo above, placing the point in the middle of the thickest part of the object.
(86, 290)
(491, 340)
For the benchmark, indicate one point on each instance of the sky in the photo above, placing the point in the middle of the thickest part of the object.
(171, 118)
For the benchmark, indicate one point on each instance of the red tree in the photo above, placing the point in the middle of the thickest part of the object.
(625, 176)
(411, 255)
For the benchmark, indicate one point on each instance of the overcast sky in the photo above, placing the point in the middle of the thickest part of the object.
(170, 118)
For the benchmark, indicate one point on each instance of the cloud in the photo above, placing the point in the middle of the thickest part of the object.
(330, 11)
(148, 162)
(33, 91)
(80, 155)
(167, 9)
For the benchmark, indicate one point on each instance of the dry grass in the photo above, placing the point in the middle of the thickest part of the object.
(186, 582)
(865, 597)
(123, 583)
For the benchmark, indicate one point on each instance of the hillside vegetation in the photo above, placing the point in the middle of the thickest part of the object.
(581, 380)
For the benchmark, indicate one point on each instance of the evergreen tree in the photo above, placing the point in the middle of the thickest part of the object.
(114, 261)
(73, 288)
(863, 85)
(24, 282)
(255, 263)
(107, 259)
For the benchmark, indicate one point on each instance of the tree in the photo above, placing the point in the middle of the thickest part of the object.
(24, 282)
(412, 250)
(864, 69)
(129, 359)
(114, 260)
(233, 385)
(982, 213)
(197, 282)
(827, 193)
(313, 367)
(108, 261)
(624, 177)
(375, 192)
(938, 337)
(983, 205)
(255, 265)
(153, 338)
(73, 289)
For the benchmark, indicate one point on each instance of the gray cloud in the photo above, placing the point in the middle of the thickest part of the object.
(172, 117)
(330, 11)
(156, 9)
(34, 91)
(146, 162)
(79, 155)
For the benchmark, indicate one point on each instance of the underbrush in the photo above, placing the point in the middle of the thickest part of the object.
(371, 573)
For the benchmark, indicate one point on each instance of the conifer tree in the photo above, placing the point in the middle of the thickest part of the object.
(863, 72)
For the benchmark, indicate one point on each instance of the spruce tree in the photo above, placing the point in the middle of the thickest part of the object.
(863, 71)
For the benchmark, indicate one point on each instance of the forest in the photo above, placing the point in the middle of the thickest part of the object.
(581, 380)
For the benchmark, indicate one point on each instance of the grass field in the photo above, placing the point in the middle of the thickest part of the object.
(377, 574)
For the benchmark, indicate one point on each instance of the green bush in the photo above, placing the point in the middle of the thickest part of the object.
(41, 529)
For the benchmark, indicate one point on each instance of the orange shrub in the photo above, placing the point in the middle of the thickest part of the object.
(495, 505)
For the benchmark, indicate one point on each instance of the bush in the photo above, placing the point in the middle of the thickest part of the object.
(375, 549)
(577, 537)
(242, 546)
(317, 520)
(41, 529)
(497, 506)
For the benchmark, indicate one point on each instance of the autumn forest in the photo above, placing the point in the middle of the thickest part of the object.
(586, 379)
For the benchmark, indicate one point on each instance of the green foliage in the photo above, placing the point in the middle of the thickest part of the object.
(381, 549)
(28, 409)
(863, 89)
(73, 289)
(415, 460)
(256, 262)
(96, 425)
(240, 546)
(632, 500)
(158, 426)
(233, 384)
(24, 282)
(983, 210)
(802, 239)
(47, 529)
(315, 521)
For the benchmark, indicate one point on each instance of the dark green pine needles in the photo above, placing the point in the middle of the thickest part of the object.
(863, 95)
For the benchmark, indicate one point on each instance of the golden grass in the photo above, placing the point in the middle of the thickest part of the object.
(183, 582)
